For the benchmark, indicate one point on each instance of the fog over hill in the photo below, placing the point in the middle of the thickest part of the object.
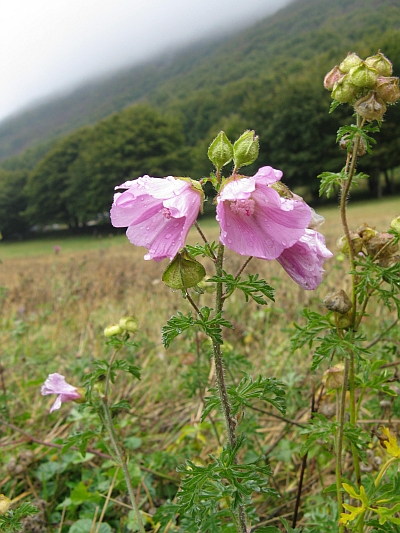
(317, 31)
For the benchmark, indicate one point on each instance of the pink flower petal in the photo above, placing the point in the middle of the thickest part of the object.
(304, 260)
(158, 212)
(255, 220)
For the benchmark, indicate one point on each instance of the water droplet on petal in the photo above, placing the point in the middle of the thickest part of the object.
(168, 236)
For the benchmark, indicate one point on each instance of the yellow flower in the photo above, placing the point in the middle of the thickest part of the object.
(390, 443)
(354, 511)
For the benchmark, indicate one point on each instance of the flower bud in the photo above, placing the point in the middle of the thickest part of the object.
(128, 323)
(366, 232)
(338, 301)
(345, 142)
(112, 330)
(332, 77)
(388, 89)
(245, 149)
(220, 152)
(370, 107)
(82, 393)
(333, 377)
(380, 63)
(341, 321)
(395, 224)
(183, 271)
(344, 91)
(207, 287)
(363, 76)
(100, 385)
(352, 60)
(356, 240)
(4, 504)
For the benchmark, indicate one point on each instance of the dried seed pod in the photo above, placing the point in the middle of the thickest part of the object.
(333, 377)
(338, 301)
(370, 107)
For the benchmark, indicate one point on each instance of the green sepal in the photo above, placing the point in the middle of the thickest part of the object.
(183, 272)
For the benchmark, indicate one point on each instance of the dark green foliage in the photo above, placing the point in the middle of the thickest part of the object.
(269, 390)
(252, 287)
(211, 326)
(74, 183)
(263, 78)
(204, 486)
(12, 202)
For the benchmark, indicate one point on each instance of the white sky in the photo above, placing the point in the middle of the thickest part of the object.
(47, 46)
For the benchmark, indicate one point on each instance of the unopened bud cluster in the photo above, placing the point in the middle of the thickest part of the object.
(127, 324)
(366, 85)
(378, 245)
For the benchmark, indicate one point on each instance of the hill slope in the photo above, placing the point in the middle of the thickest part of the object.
(307, 32)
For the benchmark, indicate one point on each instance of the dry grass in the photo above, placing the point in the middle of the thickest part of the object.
(56, 306)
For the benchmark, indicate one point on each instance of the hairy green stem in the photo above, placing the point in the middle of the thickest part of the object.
(107, 420)
(230, 420)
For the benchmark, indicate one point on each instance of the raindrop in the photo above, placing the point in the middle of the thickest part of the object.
(229, 241)
(168, 236)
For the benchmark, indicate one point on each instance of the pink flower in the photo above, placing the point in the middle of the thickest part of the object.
(255, 220)
(56, 384)
(158, 212)
(303, 261)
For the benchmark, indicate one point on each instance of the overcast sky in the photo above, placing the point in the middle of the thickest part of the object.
(48, 46)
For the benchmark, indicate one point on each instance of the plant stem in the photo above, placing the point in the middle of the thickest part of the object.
(107, 420)
(339, 439)
(230, 420)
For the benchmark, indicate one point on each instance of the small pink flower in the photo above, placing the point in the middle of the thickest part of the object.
(56, 384)
(303, 261)
(255, 220)
(158, 212)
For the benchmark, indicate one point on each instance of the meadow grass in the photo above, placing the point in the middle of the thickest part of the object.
(54, 310)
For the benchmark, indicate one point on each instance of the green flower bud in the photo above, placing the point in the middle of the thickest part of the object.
(388, 89)
(245, 149)
(341, 321)
(338, 301)
(366, 232)
(207, 287)
(332, 77)
(363, 76)
(128, 323)
(112, 330)
(220, 152)
(395, 224)
(183, 271)
(100, 385)
(370, 107)
(4, 504)
(344, 92)
(333, 377)
(380, 63)
(352, 60)
(82, 392)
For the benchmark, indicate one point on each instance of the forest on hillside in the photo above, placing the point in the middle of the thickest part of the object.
(267, 78)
